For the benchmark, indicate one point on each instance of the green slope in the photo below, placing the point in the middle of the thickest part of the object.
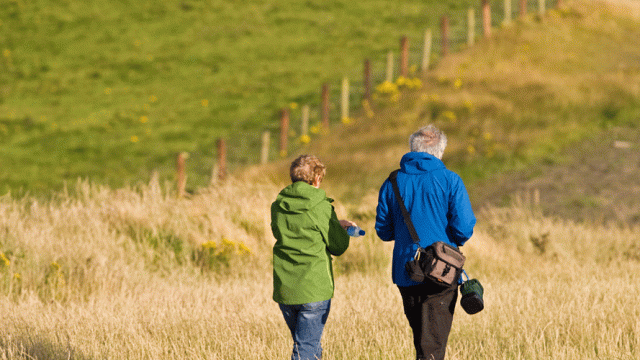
(112, 90)
(541, 105)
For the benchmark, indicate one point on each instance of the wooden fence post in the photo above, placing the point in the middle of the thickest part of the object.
(304, 127)
(325, 105)
(486, 18)
(404, 56)
(344, 100)
(445, 35)
(507, 12)
(367, 80)
(559, 4)
(181, 174)
(266, 142)
(426, 52)
(523, 8)
(389, 75)
(542, 7)
(222, 158)
(471, 29)
(284, 131)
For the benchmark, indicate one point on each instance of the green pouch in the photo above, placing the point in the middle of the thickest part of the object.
(471, 291)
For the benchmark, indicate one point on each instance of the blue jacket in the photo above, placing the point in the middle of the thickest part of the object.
(439, 206)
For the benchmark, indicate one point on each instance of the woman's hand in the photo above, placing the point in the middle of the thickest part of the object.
(346, 223)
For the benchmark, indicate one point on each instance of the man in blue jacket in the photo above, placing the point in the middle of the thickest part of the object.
(440, 210)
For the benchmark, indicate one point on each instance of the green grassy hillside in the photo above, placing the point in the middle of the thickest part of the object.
(111, 90)
(549, 106)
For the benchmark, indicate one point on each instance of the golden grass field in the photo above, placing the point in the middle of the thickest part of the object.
(79, 283)
(136, 273)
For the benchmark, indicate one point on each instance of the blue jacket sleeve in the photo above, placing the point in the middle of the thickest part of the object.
(461, 217)
(384, 214)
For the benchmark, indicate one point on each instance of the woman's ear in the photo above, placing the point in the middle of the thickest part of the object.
(317, 180)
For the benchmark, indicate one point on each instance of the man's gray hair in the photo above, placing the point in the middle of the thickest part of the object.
(430, 140)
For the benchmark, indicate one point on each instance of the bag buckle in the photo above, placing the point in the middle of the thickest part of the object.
(416, 256)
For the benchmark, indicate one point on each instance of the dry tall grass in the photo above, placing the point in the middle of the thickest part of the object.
(554, 289)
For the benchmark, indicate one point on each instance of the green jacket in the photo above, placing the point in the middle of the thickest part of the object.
(307, 233)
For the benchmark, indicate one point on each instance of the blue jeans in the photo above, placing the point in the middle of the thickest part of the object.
(306, 323)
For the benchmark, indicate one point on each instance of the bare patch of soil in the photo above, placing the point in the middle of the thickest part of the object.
(598, 180)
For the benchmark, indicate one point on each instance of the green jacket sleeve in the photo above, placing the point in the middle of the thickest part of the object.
(333, 234)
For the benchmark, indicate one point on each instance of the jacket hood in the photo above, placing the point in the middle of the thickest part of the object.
(300, 197)
(419, 162)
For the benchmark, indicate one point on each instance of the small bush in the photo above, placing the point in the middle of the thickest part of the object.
(211, 256)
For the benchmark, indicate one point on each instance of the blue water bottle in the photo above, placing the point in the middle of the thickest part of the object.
(355, 231)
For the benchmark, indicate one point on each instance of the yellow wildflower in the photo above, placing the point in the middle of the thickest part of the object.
(153, 98)
(293, 105)
(450, 115)
(305, 139)
(134, 139)
(17, 276)
(6, 53)
(283, 153)
(402, 81)
(243, 249)
(4, 261)
(471, 150)
(457, 84)
(209, 245)
(487, 136)
(144, 119)
(315, 129)
(417, 83)
(469, 105)
(387, 88)
(107, 91)
(346, 120)
(204, 103)
(146, 107)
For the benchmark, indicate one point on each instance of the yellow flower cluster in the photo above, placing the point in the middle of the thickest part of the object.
(304, 139)
(449, 115)
(4, 261)
(225, 246)
(411, 84)
(346, 120)
(387, 88)
(387, 91)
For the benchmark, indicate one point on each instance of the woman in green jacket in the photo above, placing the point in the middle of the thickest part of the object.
(308, 233)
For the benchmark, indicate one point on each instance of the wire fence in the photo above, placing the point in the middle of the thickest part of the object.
(306, 116)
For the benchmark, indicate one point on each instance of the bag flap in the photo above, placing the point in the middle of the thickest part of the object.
(449, 254)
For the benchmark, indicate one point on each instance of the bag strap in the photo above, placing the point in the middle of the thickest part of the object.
(461, 280)
(405, 214)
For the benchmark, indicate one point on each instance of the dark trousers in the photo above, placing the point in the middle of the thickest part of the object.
(429, 309)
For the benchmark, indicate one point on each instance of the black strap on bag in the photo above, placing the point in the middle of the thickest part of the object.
(405, 214)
